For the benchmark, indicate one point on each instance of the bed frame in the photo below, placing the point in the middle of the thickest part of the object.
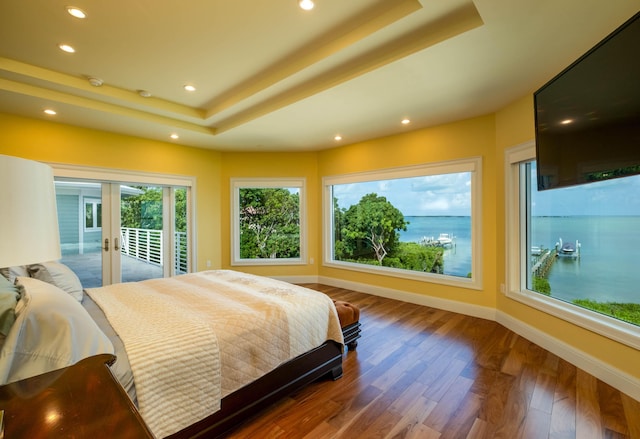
(240, 405)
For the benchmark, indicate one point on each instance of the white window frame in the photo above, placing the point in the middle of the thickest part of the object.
(259, 183)
(472, 165)
(94, 202)
(516, 261)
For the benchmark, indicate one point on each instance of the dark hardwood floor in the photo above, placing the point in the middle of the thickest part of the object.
(420, 372)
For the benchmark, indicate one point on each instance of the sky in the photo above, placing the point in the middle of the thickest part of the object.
(619, 196)
(450, 194)
(435, 195)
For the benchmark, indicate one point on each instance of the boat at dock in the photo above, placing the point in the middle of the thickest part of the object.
(568, 249)
(443, 240)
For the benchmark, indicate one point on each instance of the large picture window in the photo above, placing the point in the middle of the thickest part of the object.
(578, 248)
(268, 222)
(416, 222)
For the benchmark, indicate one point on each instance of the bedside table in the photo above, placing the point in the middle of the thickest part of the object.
(80, 401)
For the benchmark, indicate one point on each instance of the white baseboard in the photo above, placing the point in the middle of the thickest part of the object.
(614, 377)
(419, 299)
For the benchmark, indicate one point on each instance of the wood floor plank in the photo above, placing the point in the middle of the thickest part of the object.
(588, 420)
(420, 372)
(448, 404)
(611, 409)
(411, 417)
(544, 392)
(496, 393)
(536, 425)
(631, 409)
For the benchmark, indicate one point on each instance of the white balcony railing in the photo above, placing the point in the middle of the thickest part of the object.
(146, 245)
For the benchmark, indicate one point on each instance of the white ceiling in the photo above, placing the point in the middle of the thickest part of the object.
(273, 77)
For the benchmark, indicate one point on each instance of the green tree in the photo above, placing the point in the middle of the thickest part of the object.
(181, 209)
(417, 257)
(142, 211)
(339, 252)
(269, 223)
(371, 226)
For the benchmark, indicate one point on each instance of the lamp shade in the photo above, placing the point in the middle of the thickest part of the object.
(28, 215)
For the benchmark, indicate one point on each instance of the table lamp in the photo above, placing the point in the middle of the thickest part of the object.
(28, 215)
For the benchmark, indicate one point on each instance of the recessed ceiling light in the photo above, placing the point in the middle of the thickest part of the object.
(144, 93)
(50, 112)
(76, 12)
(189, 87)
(307, 5)
(174, 136)
(337, 138)
(567, 121)
(405, 121)
(66, 48)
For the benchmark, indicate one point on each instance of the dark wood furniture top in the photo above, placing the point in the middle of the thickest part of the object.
(79, 401)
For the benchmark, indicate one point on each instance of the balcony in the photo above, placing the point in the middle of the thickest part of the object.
(141, 252)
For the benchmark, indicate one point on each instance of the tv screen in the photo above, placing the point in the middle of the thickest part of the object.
(587, 118)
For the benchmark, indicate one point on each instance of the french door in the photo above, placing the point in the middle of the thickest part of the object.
(114, 232)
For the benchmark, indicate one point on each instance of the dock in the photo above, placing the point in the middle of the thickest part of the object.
(544, 262)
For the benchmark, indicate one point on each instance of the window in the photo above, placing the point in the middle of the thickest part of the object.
(268, 222)
(417, 222)
(574, 251)
(92, 214)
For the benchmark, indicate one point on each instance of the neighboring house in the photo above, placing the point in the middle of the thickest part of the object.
(79, 215)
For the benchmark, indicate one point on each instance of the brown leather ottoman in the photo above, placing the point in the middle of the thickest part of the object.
(349, 316)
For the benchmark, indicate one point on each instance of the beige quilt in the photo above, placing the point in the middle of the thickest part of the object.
(195, 338)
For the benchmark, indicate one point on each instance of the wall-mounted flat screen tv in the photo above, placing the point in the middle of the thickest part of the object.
(587, 118)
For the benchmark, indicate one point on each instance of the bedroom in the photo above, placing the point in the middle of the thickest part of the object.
(486, 135)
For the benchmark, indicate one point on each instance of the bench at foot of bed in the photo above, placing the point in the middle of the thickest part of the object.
(349, 316)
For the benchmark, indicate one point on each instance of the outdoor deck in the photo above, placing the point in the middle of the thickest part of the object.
(88, 267)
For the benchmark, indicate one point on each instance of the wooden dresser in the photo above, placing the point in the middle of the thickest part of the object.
(79, 401)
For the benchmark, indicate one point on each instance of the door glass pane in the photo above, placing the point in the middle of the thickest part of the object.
(80, 221)
(141, 234)
(138, 234)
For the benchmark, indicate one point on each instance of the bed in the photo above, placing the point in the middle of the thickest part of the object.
(232, 356)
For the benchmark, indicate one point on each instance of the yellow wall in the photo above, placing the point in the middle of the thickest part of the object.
(468, 138)
(53, 142)
(514, 126)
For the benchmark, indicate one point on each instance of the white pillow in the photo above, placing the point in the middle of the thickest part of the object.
(59, 275)
(52, 330)
(11, 273)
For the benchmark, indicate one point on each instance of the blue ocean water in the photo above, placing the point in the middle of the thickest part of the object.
(457, 259)
(608, 269)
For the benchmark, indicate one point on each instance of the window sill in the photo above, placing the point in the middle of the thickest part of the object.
(259, 262)
(454, 281)
(614, 329)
